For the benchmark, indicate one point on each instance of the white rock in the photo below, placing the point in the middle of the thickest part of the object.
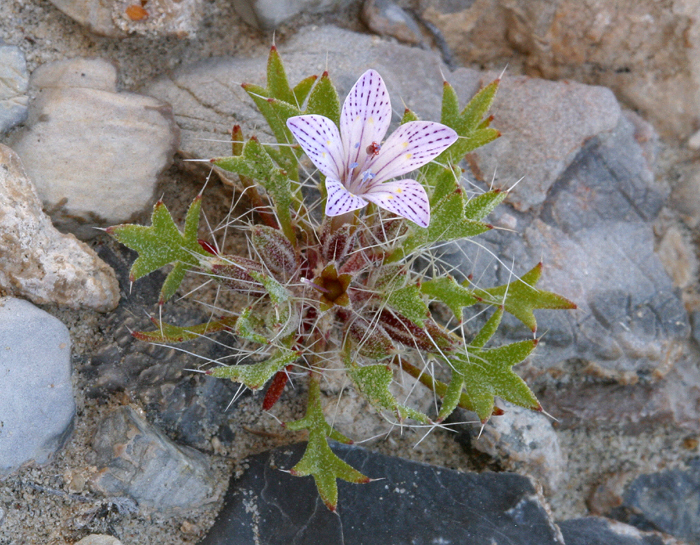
(36, 392)
(94, 154)
(119, 18)
(14, 80)
(269, 14)
(524, 441)
(99, 539)
(38, 262)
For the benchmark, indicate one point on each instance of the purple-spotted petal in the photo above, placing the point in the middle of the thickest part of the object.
(320, 140)
(340, 200)
(406, 198)
(365, 116)
(411, 146)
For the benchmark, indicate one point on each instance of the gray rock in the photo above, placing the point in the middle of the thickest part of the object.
(99, 539)
(409, 503)
(14, 81)
(387, 18)
(269, 14)
(138, 460)
(36, 392)
(600, 531)
(524, 441)
(667, 501)
(94, 154)
(120, 18)
(38, 262)
(547, 122)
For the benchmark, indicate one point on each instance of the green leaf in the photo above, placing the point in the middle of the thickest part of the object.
(484, 374)
(278, 293)
(408, 302)
(447, 223)
(277, 83)
(171, 334)
(255, 375)
(477, 208)
(374, 381)
(446, 183)
(249, 325)
(488, 330)
(521, 297)
(324, 100)
(408, 116)
(450, 106)
(302, 90)
(319, 460)
(446, 290)
(161, 244)
(255, 162)
(478, 107)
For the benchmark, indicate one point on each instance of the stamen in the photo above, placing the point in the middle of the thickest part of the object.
(354, 165)
(314, 285)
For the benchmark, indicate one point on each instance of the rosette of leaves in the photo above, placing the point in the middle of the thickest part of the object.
(346, 291)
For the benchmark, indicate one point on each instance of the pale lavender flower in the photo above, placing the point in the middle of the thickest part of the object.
(357, 167)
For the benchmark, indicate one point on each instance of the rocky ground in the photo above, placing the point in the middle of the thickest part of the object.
(100, 105)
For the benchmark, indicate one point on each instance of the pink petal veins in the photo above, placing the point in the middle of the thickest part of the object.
(340, 200)
(365, 116)
(406, 198)
(409, 147)
(320, 140)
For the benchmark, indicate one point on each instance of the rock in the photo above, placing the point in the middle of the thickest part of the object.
(269, 15)
(600, 531)
(387, 18)
(678, 258)
(648, 53)
(524, 441)
(36, 392)
(14, 81)
(667, 501)
(38, 262)
(99, 539)
(120, 18)
(94, 154)
(547, 122)
(409, 503)
(685, 198)
(138, 460)
(191, 408)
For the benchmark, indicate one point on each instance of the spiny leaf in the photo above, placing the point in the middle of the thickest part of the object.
(408, 116)
(277, 83)
(447, 223)
(446, 290)
(521, 297)
(302, 90)
(167, 333)
(324, 100)
(249, 326)
(319, 460)
(446, 183)
(255, 375)
(162, 243)
(483, 374)
(255, 162)
(374, 381)
(278, 293)
(408, 302)
(477, 208)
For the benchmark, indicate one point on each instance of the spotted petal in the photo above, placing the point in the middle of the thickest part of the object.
(411, 146)
(320, 140)
(365, 116)
(340, 200)
(406, 198)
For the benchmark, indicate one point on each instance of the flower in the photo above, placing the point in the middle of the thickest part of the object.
(357, 166)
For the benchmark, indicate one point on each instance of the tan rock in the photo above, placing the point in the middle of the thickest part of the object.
(36, 261)
(93, 153)
(119, 18)
(648, 52)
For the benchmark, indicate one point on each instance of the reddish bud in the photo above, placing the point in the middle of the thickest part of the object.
(431, 338)
(233, 272)
(275, 251)
(274, 392)
(207, 247)
(371, 340)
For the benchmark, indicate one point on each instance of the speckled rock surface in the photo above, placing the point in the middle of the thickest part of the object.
(14, 81)
(36, 392)
(269, 14)
(93, 153)
(38, 262)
